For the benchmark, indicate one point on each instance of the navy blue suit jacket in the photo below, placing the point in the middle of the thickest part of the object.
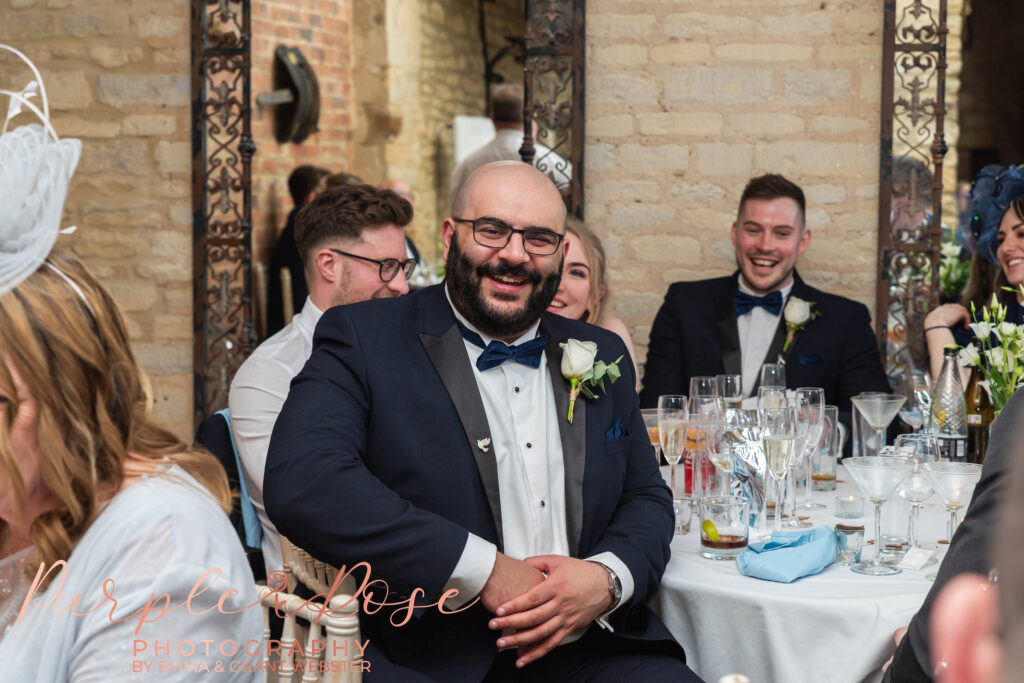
(374, 458)
(695, 333)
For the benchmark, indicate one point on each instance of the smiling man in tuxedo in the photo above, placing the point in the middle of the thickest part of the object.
(428, 436)
(735, 324)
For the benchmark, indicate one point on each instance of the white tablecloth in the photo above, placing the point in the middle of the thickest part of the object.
(836, 626)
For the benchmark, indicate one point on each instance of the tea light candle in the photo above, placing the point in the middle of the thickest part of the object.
(849, 507)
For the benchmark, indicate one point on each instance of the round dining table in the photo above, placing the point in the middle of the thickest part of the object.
(835, 626)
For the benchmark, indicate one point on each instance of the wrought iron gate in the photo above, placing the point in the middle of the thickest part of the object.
(553, 87)
(222, 149)
(910, 187)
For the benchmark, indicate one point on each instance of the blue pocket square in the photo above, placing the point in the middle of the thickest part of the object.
(616, 431)
(810, 360)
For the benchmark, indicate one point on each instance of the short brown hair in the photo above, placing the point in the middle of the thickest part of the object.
(773, 186)
(344, 212)
(507, 104)
(305, 180)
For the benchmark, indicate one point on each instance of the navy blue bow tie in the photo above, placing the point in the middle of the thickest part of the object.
(743, 303)
(497, 352)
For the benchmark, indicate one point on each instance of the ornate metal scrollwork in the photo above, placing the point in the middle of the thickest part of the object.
(222, 148)
(553, 87)
(910, 187)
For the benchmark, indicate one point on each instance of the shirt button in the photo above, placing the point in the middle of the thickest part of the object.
(517, 390)
(542, 503)
(529, 445)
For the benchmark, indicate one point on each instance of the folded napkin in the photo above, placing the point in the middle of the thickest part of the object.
(789, 555)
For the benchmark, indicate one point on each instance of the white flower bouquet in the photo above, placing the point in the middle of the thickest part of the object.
(1001, 362)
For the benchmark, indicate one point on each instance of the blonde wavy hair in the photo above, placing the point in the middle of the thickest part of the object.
(74, 355)
(597, 297)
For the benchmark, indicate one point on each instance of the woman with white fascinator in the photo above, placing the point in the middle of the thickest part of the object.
(119, 560)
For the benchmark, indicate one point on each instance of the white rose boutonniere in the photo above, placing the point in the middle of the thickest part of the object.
(797, 314)
(583, 373)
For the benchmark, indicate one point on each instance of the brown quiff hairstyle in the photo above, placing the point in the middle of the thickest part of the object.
(773, 186)
(73, 354)
(343, 212)
(507, 104)
(594, 252)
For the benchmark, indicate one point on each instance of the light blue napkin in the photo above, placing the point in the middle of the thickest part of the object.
(789, 555)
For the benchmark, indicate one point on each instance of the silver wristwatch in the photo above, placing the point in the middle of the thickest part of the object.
(614, 585)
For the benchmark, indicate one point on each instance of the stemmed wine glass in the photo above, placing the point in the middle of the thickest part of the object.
(915, 386)
(879, 410)
(771, 398)
(778, 436)
(920, 448)
(730, 389)
(773, 375)
(672, 422)
(878, 478)
(810, 409)
(954, 482)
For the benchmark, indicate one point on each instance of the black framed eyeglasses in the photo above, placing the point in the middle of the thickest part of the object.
(495, 233)
(389, 267)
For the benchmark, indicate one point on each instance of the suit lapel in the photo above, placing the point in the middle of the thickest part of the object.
(574, 443)
(447, 352)
(727, 332)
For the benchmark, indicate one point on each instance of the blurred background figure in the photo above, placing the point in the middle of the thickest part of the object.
(303, 184)
(583, 293)
(340, 178)
(507, 115)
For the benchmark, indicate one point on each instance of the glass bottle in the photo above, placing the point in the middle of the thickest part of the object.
(947, 419)
(980, 413)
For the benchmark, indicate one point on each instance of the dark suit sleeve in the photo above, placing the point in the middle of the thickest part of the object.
(643, 523)
(969, 551)
(860, 367)
(663, 371)
(319, 492)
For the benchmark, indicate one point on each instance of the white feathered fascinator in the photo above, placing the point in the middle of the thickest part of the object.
(35, 170)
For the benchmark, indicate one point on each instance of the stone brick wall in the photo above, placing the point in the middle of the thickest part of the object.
(322, 30)
(437, 72)
(686, 101)
(118, 77)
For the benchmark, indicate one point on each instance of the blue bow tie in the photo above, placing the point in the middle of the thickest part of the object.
(497, 352)
(743, 303)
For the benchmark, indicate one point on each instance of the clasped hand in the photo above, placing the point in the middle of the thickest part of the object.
(563, 594)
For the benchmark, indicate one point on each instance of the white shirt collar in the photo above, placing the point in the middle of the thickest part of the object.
(524, 337)
(307, 318)
(747, 290)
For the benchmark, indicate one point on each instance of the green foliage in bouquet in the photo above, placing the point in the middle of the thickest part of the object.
(1000, 362)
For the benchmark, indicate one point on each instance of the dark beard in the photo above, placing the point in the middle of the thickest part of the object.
(464, 281)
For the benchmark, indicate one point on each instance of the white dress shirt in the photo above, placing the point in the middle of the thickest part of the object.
(756, 330)
(505, 147)
(257, 394)
(519, 402)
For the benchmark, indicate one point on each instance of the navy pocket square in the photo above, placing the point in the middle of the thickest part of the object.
(616, 431)
(810, 360)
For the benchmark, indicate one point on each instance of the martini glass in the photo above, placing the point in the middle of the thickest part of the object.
(878, 478)
(954, 482)
(879, 410)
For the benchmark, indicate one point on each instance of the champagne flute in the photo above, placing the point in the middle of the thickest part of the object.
(730, 389)
(650, 416)
(672, 421)
(920, 448)
(810, 407)
(771, 398)
(778, 436)
(773, 375)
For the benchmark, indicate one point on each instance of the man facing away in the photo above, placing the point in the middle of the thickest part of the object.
(507, 115)
(303, 184)
(353, 247)
(417, 441)
(735, 324)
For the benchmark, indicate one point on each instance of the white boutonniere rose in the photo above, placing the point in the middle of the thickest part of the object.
(797, 314)
(584, 374)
